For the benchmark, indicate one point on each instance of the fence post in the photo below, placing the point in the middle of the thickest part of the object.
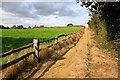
(56, 39)
(36, 48)
(65, 37)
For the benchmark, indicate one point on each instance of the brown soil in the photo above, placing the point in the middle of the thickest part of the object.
(86, 60)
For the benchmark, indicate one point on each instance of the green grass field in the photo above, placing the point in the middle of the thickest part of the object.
(14, 38)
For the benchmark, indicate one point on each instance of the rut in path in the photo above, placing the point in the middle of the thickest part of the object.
(85, 60)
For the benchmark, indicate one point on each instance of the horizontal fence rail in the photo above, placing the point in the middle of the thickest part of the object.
(15, 50)
(15, 61)
(55, 38)
(3, 66)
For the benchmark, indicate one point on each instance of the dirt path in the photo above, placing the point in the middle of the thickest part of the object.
(85, 60)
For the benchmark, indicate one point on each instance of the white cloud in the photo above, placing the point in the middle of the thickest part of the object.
(30, 14)
(38, 0)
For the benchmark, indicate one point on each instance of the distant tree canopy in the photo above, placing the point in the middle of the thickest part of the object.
(41, 26)
(3, 27)
(17, 27)
(29, 27)
(14, 27)
(20, 27)
(70, 24)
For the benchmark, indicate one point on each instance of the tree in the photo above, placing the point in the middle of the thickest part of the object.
(29, 27)
(13, 27)
(42, 26)
(105, 20)
(109, 12)
(7, 27)
(70, 24)
(2, 27)
(20, 27)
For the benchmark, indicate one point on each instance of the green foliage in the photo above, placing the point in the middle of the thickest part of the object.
(29, 27)
(14, 38)
(20, 27)
(105, 21)
(14, 27)
(3, 27)
(41, 26)
(17, 27)
(108, 12)
(70, 24)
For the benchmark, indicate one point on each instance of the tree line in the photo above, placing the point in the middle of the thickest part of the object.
(110, 13)
(29, 27)
(13, 27)
(105, 21)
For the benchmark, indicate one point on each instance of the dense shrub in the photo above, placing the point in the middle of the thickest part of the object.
(105, 21)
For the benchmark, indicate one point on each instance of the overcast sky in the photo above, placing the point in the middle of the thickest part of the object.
(43, 13)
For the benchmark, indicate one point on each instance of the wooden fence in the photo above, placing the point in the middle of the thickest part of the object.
(36, 50)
